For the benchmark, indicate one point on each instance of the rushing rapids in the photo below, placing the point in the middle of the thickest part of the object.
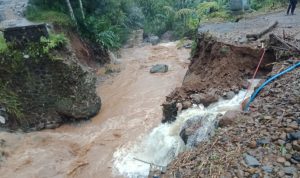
(163, 143)
(131, 107)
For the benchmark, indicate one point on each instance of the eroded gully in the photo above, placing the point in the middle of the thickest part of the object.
(131, 108)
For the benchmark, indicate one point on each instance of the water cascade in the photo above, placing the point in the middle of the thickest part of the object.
(163, 144)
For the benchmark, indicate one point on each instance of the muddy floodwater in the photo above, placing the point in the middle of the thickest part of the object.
(130, 109)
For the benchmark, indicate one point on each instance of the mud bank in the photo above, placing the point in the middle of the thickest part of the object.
(217, 69)
(263, 142)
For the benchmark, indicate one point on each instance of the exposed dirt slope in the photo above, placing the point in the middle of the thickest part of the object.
(217, 68)
(264, 142)
(269, 134)
(222, 65)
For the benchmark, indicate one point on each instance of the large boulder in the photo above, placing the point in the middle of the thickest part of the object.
(229, 95)
(196, 129)
(169, 111)
(20, 36)
(154, 40)
(159, 68)
(167, 36)
(48, 92)
(190, 128)
(186, 104)
(82, 110)
(205, 99)
(229, 118)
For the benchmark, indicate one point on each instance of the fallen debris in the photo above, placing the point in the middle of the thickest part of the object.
(256, 36)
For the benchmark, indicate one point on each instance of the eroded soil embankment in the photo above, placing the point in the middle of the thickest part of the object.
(216, 69)
(264, 142)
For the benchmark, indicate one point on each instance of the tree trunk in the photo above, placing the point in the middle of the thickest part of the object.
(71, 11)
(81, 9)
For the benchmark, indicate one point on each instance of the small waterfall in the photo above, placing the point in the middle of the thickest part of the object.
(163, 144)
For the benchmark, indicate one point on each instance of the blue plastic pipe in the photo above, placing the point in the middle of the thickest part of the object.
(253, 96)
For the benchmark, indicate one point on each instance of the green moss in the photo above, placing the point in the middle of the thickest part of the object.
(14, 62)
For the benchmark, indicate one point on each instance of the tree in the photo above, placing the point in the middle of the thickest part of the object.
(71, 11)
(81, 9)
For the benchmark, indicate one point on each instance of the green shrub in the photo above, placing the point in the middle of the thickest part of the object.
(207, 8)
(54, 41)
(101, 31)
(267, 4)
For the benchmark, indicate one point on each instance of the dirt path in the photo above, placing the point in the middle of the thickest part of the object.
(131, 107)
(236, 32)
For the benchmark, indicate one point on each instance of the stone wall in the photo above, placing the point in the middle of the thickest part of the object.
(19, 36)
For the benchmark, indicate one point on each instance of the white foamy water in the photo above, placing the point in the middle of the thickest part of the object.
(163, 144)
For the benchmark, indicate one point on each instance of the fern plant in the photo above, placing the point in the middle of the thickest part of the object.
(108, 39)
(54, 41)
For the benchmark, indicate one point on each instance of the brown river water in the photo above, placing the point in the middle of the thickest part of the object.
(131, 107)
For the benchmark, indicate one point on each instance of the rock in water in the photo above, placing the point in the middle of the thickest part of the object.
(159, 68)
(205, 99)
(229, 95)
(169, 111)
(190, 128)
(167, 36)
(154, 40)
(251, 161)
(187, 104)
(196, 98)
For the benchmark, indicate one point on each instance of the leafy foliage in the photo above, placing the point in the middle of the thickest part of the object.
(54, 41)
(207, 8)
(109, 22)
